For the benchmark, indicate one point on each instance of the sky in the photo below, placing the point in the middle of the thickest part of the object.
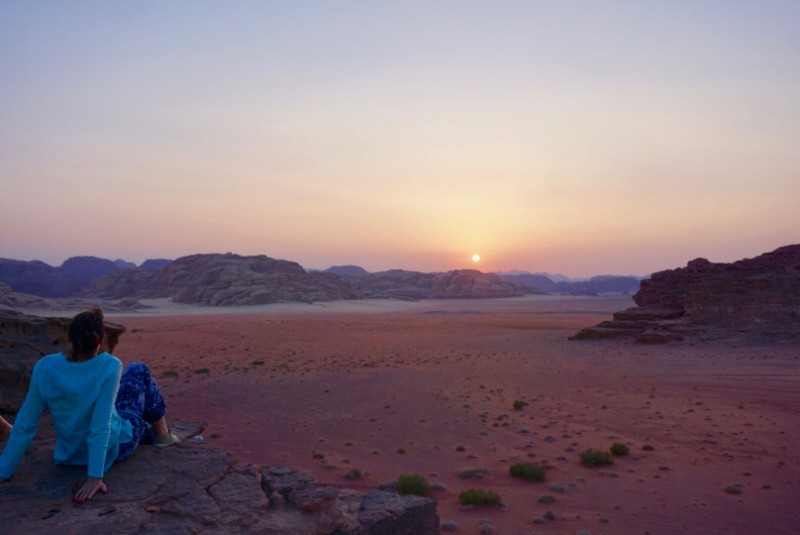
(574, 137)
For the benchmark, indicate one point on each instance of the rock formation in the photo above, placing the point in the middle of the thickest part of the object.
(67, 280)
(225, 280)
(460, 284)
(753, 299)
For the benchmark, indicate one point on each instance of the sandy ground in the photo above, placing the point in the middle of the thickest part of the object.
(427, 387)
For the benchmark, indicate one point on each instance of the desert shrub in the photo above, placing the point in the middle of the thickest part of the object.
(546, 498)
(257, 363)
(620, 449)
(528, 471)
(413, 484)
(519, 404)
(201, 370)
(592, 458)
(170, 373)
(733, 489)
(352, 474)
(478, 497)
(647, 447)
(473, 473)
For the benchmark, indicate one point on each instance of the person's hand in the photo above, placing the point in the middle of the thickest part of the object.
(89, 489)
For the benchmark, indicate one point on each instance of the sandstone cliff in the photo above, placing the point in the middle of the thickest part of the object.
(754, 299)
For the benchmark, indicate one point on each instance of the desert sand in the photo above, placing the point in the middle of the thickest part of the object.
(391, 388)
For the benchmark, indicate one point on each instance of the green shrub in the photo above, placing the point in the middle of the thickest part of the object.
(620, 449)
(592, 458)
(478, 497)
(413, 484)
(257, 363)
(519, 404)
(170, 373)
(528, 471)
(201, 370)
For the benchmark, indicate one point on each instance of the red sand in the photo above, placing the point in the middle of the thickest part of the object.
(358, 387)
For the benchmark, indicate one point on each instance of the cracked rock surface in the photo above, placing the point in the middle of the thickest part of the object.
(193, 487)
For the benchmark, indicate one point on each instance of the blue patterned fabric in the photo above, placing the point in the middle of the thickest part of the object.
(139, 402)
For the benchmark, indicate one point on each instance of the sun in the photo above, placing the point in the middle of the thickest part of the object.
(476, 258)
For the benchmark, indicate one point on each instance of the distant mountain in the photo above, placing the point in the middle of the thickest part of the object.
(124, 264)
(599, 285)
(230, 279)
(348, 271)
(38, 278)
(152, 265)
(554, 277)
(225, 280)
(461, 284)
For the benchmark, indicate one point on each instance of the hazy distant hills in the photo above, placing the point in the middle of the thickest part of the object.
(598, 285)
(229, 279)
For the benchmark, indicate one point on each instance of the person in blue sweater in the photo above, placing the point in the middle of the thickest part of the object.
(100, 414)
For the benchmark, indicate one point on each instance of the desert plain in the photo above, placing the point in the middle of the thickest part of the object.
(359, 393)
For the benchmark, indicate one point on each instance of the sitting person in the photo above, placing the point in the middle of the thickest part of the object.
(100, 415)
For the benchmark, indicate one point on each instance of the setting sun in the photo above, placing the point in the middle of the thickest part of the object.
(476, 257)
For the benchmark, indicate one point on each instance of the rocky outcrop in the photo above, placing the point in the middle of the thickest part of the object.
(225, 280)
(193, 487)
(25, 339)
(755, 299)
(457, 284)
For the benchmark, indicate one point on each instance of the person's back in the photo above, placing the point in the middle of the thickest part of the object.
(72, 392)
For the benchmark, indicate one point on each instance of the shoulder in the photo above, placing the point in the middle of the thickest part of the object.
(107, 360)
(49, 361)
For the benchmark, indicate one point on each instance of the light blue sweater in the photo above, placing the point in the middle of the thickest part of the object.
(80, 397)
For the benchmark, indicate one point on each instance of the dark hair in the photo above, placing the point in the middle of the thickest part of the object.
(86, 333)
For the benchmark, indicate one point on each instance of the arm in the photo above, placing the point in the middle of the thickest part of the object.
(100, 425)
(24, 430)
(99, 435)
